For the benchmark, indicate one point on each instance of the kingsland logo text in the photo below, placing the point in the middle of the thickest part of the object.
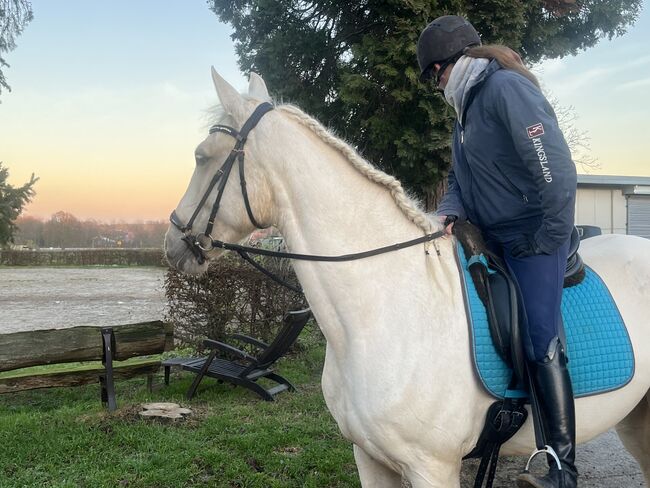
(543, 162)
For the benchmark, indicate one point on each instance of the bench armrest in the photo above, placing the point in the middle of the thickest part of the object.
(210, 344)
(250, 340)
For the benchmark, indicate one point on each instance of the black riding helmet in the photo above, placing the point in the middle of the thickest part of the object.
(442, 40)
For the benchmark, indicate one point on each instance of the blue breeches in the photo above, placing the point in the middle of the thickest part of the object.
(540, 279)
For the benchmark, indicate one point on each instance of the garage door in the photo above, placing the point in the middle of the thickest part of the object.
(638, 215)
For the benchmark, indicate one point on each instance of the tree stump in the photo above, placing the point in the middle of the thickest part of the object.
(164, 410)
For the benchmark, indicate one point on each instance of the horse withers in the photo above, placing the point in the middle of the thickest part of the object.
(398, 375)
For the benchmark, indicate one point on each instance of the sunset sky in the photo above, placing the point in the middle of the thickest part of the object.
(109, 100)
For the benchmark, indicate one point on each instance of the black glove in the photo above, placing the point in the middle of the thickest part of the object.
(524, 247)
(450, 220)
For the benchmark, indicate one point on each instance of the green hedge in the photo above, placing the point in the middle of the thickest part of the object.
(230, 297)
(83, 257)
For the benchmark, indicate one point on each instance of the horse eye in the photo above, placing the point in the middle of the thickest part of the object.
(200, 158)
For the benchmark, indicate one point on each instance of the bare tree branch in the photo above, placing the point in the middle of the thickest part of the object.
(14, 16)
(579, 140)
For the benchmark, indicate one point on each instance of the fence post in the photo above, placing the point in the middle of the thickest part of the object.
(108, 386)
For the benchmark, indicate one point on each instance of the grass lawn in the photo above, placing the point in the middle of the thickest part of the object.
(63, 437)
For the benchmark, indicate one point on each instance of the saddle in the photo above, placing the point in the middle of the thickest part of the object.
(499, 293)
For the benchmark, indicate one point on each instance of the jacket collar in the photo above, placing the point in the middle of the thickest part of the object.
(491, 68)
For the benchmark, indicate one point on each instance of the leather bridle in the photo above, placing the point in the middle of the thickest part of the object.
(203, 242)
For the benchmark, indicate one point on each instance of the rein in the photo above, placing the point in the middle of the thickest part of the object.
(244, 250)
(315, 257)
(204, 242)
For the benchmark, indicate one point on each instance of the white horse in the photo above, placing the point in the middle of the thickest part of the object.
(398, 376)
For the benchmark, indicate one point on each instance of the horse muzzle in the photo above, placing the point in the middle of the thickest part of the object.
(182, 252)
(192, 242)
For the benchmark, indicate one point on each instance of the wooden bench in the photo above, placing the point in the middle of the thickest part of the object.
(20, 350)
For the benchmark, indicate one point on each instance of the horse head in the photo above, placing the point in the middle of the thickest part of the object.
(218, 202)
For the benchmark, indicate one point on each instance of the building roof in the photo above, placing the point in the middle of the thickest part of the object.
(630, 185)
(610, 180)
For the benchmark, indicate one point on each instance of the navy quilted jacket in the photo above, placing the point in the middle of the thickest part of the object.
(512, 171)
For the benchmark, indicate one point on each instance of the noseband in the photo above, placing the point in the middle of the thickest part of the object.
(203, 242)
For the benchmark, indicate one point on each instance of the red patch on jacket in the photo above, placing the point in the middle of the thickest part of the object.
(535, 130)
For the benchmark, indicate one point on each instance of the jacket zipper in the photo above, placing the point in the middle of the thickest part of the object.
(511, 184)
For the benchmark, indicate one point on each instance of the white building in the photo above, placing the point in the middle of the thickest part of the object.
(616, 204)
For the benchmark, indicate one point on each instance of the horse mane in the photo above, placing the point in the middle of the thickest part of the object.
(406, 204)
(409, 207)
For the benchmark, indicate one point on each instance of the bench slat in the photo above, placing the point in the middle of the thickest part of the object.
(50, 346)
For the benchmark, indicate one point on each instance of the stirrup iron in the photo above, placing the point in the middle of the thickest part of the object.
(545, 450)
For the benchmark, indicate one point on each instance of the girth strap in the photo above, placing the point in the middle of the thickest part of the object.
(503, 420)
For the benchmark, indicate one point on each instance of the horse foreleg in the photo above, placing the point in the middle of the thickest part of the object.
(634, 431)
(373, 474)
(435, 475)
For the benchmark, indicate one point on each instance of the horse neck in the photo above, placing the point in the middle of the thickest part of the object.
(326, 206)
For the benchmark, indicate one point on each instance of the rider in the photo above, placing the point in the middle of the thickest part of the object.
(513, 177)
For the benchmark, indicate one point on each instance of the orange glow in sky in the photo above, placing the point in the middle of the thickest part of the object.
(109, 123)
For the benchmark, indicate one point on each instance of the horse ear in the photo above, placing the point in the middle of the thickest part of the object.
(230, 98)
(257, 88)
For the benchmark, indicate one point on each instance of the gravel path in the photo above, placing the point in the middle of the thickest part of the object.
(602, 463)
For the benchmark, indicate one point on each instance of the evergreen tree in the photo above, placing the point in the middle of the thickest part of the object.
(12, 201)
(352, 65)
(14, 16)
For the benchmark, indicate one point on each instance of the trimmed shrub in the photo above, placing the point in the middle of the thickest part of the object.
(230, 297)
(83, 257)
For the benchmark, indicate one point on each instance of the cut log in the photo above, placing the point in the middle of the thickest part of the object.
(74, 377)
(40, 347)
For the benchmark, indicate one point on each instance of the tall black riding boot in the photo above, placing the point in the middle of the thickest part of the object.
(555, 396)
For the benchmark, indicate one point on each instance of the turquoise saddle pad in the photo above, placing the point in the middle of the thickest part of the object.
(600, 353)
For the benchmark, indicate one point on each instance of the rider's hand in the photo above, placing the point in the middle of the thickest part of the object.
(448, 222)
(523, 247)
